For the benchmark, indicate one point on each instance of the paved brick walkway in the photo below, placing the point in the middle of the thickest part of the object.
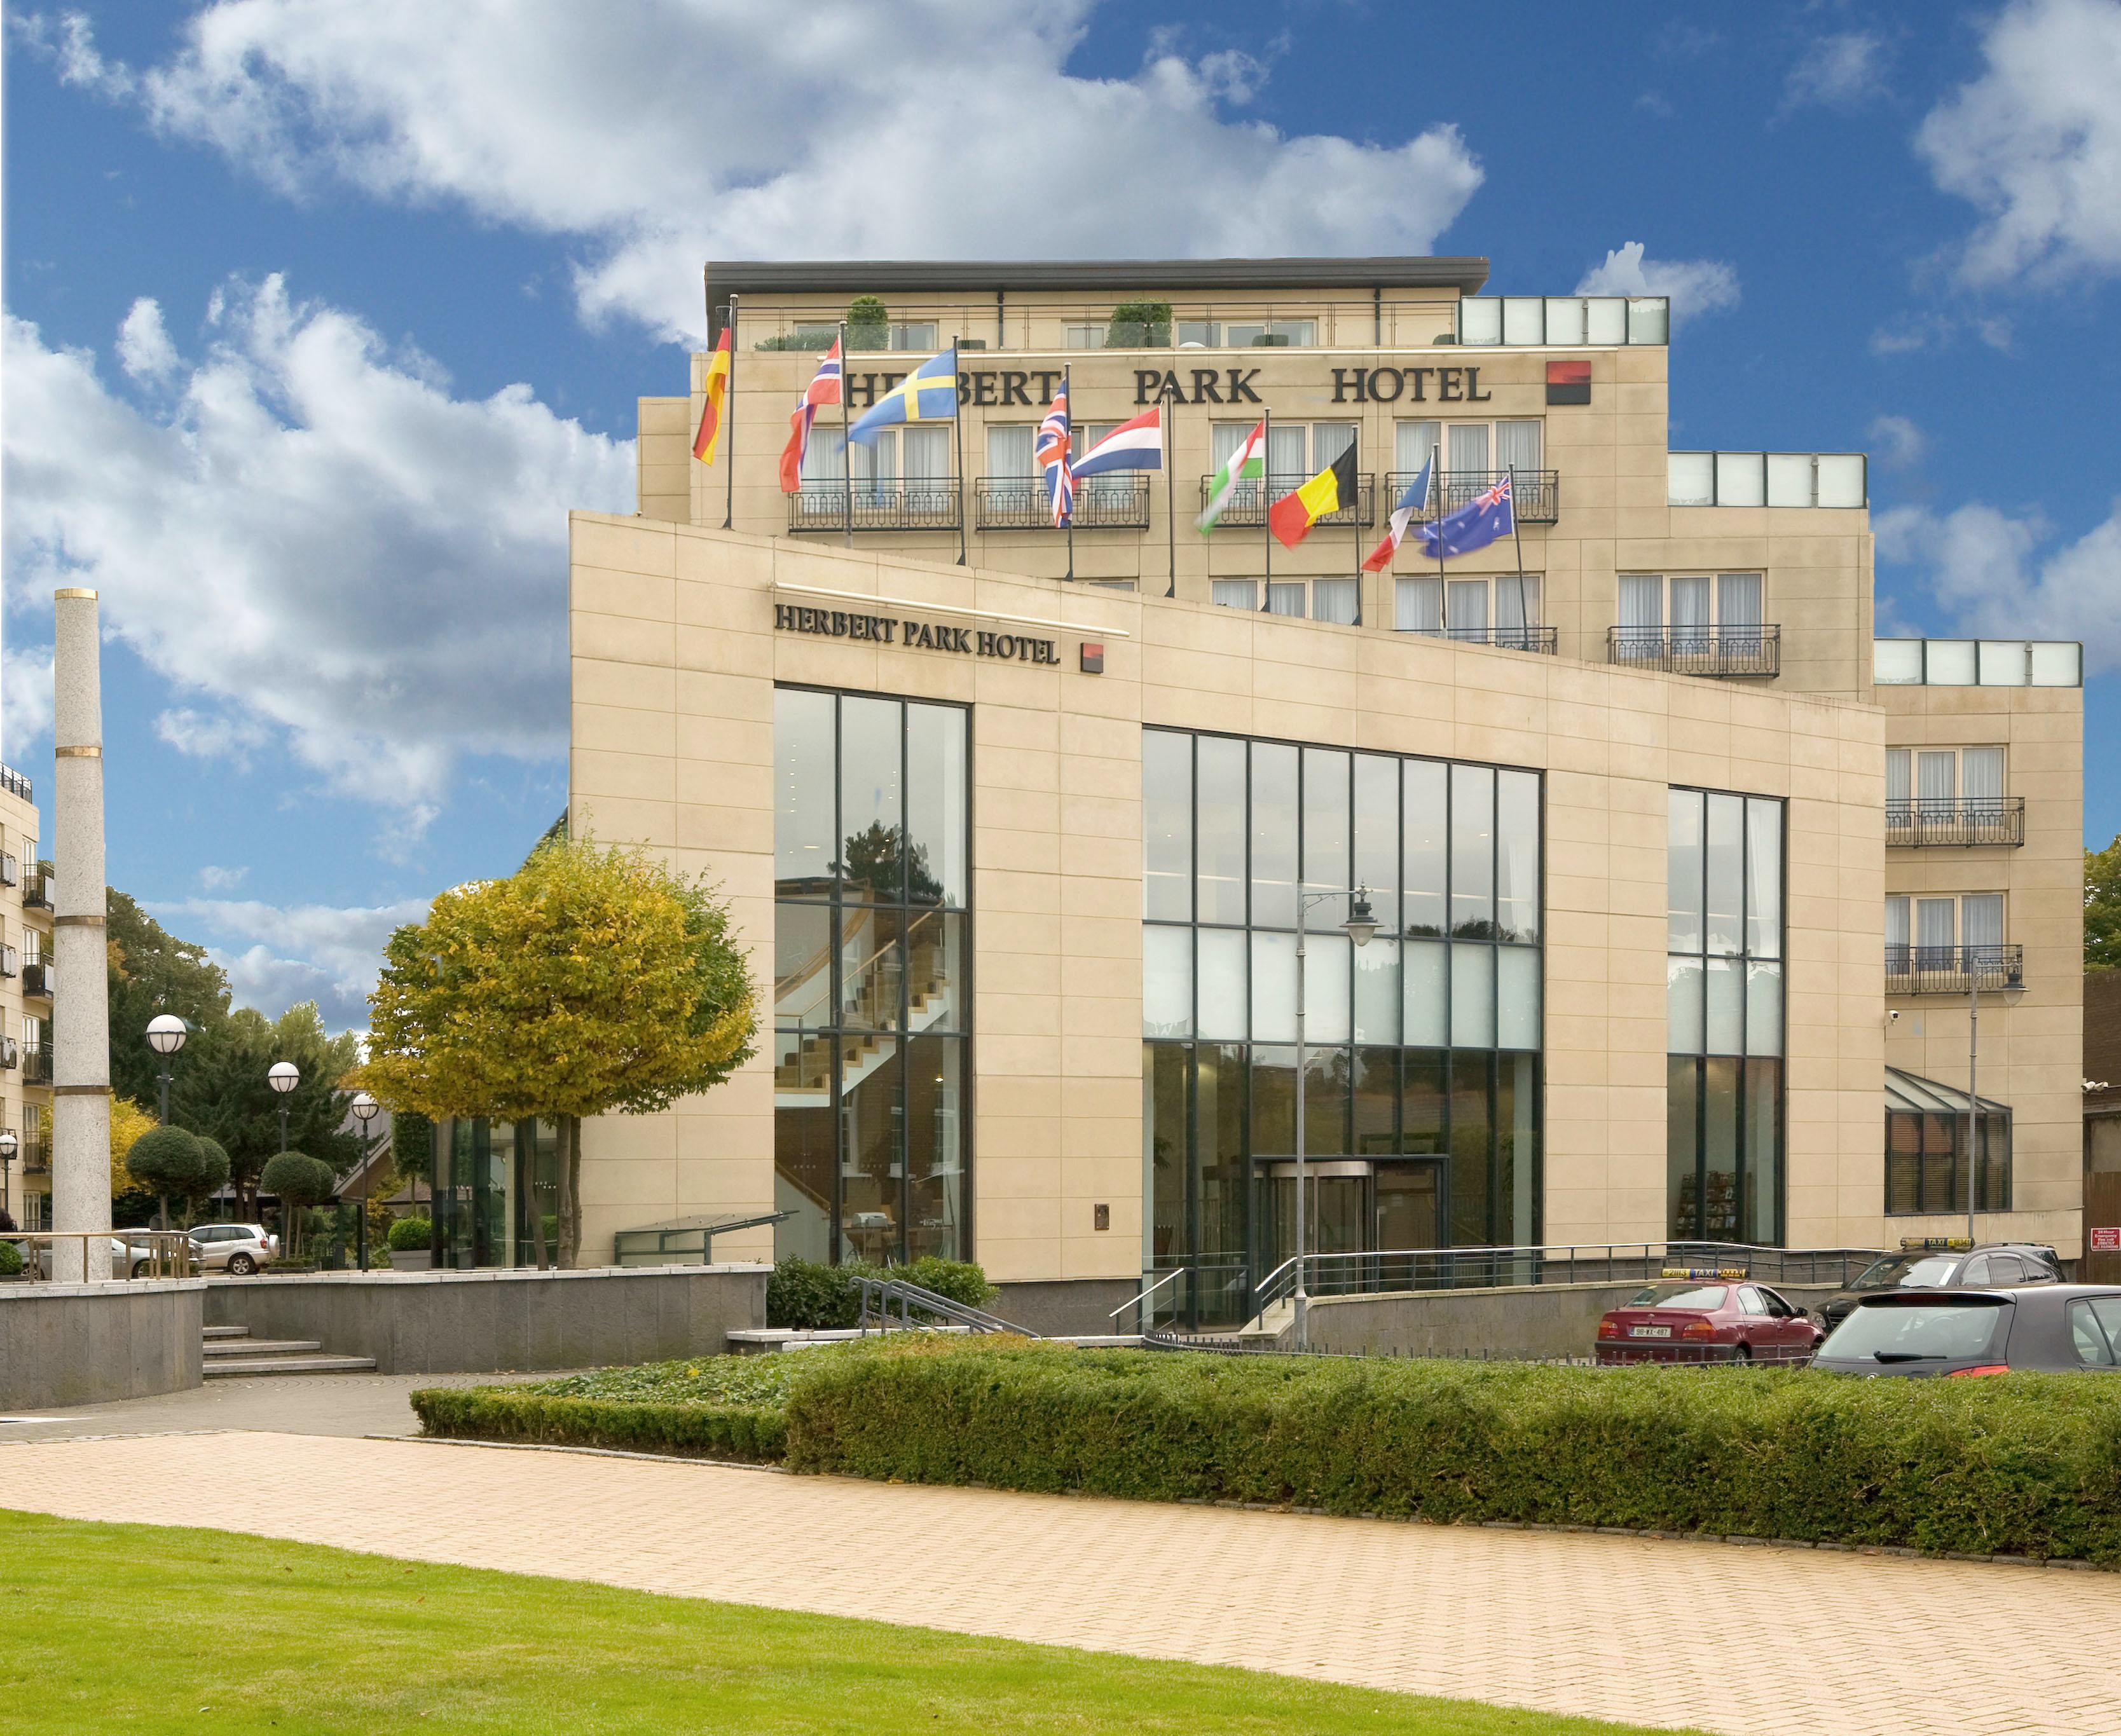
(1768, 1640)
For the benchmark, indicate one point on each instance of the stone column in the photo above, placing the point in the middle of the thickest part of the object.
(80, 1016)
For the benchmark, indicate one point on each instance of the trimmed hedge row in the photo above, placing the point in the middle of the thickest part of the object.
(811, 1297)
(2020, 1464)
(754, 1432)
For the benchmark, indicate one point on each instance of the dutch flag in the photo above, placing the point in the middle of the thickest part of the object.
(1135, 446)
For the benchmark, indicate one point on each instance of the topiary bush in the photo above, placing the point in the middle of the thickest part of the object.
(165, 1161)
(213, 1171)
(11, 1260)
(754, 1432)
(815, 1297)
(300, 1180)
(1139, 325)
(868, 323)
(408, 1235)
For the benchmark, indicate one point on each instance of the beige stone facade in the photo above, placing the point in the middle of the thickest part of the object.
(677, 658)
(25, 1004)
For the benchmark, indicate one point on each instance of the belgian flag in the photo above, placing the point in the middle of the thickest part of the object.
(1292, 516)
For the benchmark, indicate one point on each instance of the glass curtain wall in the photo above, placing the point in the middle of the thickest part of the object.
(1723, 1103)
(1422, 1048)
(492, 1181)
(872, 986)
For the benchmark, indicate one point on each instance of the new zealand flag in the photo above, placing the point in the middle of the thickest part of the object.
(1487, 518)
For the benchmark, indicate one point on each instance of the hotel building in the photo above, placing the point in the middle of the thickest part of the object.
(25, 1009)
(1682, 877)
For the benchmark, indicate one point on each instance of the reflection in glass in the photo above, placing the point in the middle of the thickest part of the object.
(1683, 869)
(802, 784)
(871, 968)
(1425, 822)
(1424, 1003)
(1274, 988)
(1166, 1139)
(1517, 1149)
(1376, 1101)
(1724, 1030)
(803, 965)
(1764, 1009)
(1324, 1102)
(871, 1165)
(1221, 1087)
(1219, 820)
(1326, 987)
(1682, 1146)
(1425, 1085)
(1223, 998)
(1682, 1007)
(1763, 879)
(1517, 855)
(1472, 1080)
(1167, 981)
(1167, 826)
(937, 985)
(1472, 851)
(1376, 836)
(803, 1158)
(1377, 992)
(1472, 996)
(1273, 835)
(1720, 1148)
(936, 1148)
(1726, 879)
(1516, 998)
(1325, 826)
(872, 816)
(936, 868)
(1764, 1144)
(1273, 1101)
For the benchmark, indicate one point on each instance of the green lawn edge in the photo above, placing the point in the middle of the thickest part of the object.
(132, 1627)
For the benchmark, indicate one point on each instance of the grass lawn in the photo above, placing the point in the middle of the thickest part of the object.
(149, 1628)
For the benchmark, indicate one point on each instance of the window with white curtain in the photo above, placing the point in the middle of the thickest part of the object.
(1899, 790)
(1285, 599)
(1642, 600)
(1466, 606)
(1926, 933)
(1511, 603)
(1334, 599)
(1234, 594)
(1418, 606)
(1518, 446)
(1981, 773)
(1981, 919)
(1465, 445)
(1412, 444)
(1010, 449)
(1517, 602)
(1697, 605)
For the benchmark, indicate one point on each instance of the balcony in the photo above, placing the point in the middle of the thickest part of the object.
(1536, 494)
(1246, 507)
(10, 870)
(1541, 639)
(11, 961)
(37, 976)
(1967, 822)
(36, 1154)
(1102, 503)
(37, 887)
(921, 505)
(15, 783)
(1725, 650)
(10, 1053)
(1953, 970)
(36, 1064)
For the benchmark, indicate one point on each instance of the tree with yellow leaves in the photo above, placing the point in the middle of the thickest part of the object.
(128, 1122)
(590, 981)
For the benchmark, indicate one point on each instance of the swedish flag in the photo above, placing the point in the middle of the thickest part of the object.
(928, 394)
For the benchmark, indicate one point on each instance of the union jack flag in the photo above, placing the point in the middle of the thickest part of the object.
(824, 389)
(1053, 456)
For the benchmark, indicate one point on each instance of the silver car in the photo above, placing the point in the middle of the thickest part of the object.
(137, 1260)
(238, 1249)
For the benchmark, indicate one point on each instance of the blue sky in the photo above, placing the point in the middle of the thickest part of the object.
(320, 316)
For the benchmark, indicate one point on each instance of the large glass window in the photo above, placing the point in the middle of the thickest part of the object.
(1422, 1067)
(1723, 1032)
(872, 987)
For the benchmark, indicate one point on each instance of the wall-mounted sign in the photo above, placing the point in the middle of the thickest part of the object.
(1032, 389)
(914, 635)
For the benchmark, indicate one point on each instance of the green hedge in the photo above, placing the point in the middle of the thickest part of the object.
(755, 1432)
(813, 1297)
(2020, 1464)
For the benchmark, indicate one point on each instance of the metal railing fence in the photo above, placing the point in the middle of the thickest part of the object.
(930, 504)
(1102, 503)
(1535, 495)
(1248, 502)
(56, 1256)
(1953, 970)
(1755, 649)
(1966, 821)
(920, 1308)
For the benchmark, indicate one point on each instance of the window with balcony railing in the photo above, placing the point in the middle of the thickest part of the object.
(1102, 503)
(37, 887)
(1953, 970)
(1950, 796)
(36, 1064)
(38, 978)
(10, 870)
(1753, 650)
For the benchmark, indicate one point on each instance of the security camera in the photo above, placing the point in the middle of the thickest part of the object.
(1893, 1016)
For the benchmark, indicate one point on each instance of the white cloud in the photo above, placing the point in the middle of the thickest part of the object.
(144, 349)
(25, 696)
(276, 956)
(666, 133)
(2035, 144)
(1988, 572)
(1842, 71)
(1696, 286)
(312, 541)
(215, 879)
(1900, 444)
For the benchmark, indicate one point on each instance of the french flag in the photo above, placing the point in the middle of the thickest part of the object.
(1135, 446)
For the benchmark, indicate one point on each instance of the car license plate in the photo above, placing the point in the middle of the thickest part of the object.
(1649, 1332)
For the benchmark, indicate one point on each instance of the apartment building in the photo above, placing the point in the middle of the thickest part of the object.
(26, 1008)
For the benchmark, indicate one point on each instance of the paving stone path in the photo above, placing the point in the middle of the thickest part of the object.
(1738, 1639)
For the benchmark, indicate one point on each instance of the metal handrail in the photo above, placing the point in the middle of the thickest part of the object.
(1112, 502)
(1920, 969)
(1547, 640)
(167, 1253)
(1141, 1301)
(881, 1293)
(923, 504)
(1249, 501)
(1378, 1271)
(1535, 495)
(1913, 822)
(1749, 648)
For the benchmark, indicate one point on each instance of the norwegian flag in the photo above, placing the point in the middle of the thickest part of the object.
(824, 389)
(1053, 456)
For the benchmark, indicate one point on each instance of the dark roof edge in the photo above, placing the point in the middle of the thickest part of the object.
(760, 277)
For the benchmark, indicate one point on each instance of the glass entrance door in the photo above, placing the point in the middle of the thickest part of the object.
(1409, 1205)
(1338, 1209)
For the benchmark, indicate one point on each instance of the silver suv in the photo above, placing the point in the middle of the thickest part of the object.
(238, 1249)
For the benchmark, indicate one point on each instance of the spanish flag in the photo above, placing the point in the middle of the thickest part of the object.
(711, 418)
(1292, 516)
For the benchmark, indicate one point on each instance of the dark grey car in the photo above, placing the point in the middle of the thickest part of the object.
(2070, 1327)
(1946, 1263)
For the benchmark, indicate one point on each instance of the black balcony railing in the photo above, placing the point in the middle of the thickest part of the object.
(1966, 821)
(1721, 650)
(923, 505)
(37, 977)
(1102, 503)
(36, 1064)
(15, 783)
(36, 1154)
(37, 887)
(1508, 639)
(1947, 970)
(1245, 507)
(1535, 495)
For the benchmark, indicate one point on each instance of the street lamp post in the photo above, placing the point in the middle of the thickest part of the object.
(1360, 926)
(283, 1076)
(9, 1145)
(165, 1036)
(365, 1108)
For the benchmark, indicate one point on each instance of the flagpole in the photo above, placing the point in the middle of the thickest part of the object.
(1266, 488)
(1067, 456)
(1436, 525)
(727, 431)
(1523, 624)
(846, 444)
(1355, 512)
(1170, 438)
(958, 415)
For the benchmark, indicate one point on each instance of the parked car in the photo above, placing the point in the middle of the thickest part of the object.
(136, 1259)
(1946, 1263)
(2065, 1327)
(1710, 1315)
(238, 1249)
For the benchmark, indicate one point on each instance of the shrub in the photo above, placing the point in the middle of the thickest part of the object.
(820, 1298)
(2020, 1464)
(410, 1234)
(299, 1180)
(11, 1260)
(868, 323)
(214, 1168)
(1139, 325)
(754, 1432)
(165, 1161)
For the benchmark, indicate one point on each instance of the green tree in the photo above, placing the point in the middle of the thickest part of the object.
(221, 1091)
(592, 980)
(151, 972)
(868, 323)
(213, 1176)
(166, 1160)
(300, 1181)
(1139, 325)
(2102, 907)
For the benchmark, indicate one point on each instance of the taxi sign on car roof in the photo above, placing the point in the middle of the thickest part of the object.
(1936, 1244)
(1725, 1272)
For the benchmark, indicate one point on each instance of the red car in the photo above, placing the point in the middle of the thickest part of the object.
(1707, 1315)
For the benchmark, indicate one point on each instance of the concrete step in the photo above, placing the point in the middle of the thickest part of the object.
(225, 1368)
(258, 1348)
(224, 1332)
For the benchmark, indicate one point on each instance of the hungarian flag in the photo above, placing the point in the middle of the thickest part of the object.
(711, 418)
(1290, 518)
(1246, 464)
